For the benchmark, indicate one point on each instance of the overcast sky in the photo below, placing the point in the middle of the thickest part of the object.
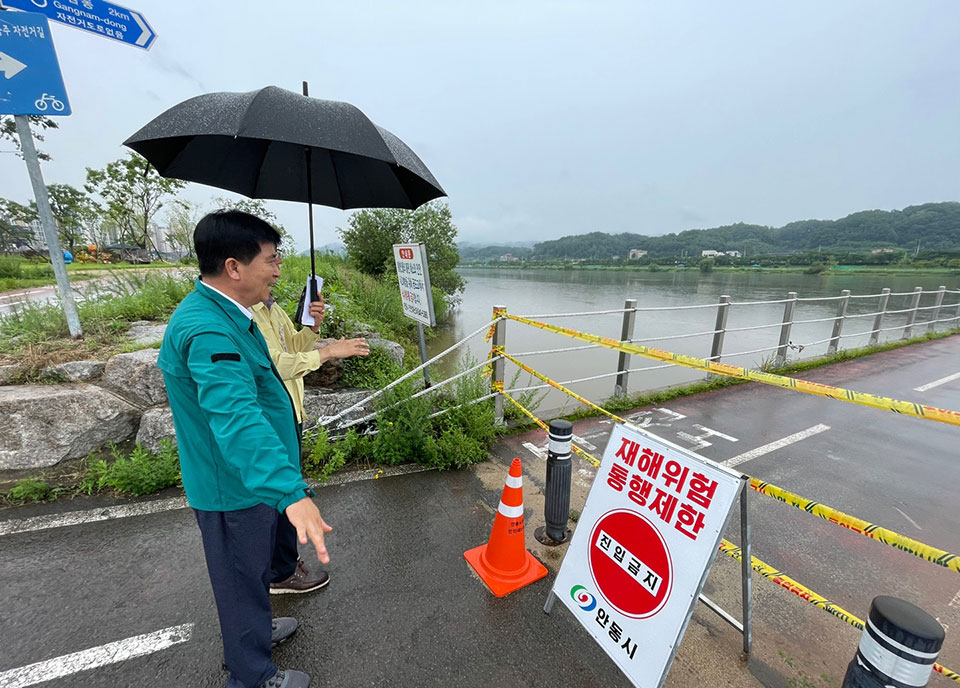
(544, 119)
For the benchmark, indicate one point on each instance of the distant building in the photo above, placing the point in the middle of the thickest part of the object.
(614, 257)
(636, 253)
(508, 258)
(710, 254)
(883, 250)
(734, 254)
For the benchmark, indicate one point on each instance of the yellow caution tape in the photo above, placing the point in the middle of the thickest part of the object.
(557, 385)
(497, 314)
(857, 525)
(807, 594)
(904, 407)
(576, 450)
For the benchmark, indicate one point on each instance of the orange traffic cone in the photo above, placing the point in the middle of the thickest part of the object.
(503, 563)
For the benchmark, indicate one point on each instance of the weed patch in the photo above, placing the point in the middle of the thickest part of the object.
(139, 473)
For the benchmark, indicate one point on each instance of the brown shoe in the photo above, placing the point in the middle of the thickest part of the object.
(302, 580)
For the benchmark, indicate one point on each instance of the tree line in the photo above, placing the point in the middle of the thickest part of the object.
(929, 227)
(119, 205)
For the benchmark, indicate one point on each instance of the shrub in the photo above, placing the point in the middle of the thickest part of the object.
(370, 372)
(30, 490)
(140, 473)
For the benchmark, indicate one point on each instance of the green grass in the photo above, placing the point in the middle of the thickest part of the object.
(31, 490)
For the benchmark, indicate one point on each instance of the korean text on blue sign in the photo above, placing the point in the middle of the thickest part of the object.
(95, 16)
(31, 83)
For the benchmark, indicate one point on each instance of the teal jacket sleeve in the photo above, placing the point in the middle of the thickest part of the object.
(227, 394)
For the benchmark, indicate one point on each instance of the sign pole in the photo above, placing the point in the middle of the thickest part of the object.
(49, 225)
(423, 353)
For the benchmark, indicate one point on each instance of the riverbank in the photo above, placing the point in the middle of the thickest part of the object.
(792, 269)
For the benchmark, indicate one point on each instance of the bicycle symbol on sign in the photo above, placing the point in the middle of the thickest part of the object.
(41, 103)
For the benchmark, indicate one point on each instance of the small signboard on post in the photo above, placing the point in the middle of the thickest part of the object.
(414, 279)
(646, 539)
(415, 293)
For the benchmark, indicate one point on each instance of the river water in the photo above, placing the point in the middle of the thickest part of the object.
(556, 291)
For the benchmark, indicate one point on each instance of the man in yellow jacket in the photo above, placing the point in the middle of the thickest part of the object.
(294, 355)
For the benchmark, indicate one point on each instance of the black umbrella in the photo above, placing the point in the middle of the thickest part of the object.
(280, 145)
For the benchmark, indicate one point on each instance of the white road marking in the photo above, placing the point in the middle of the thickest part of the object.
(696, 443)
(937, 383)
(707, 432)
(644, 419)
(700, 441)
(111, 653)
(75, 518)
(908, 518)
(773, 446)
(955, 602)
(539, 452)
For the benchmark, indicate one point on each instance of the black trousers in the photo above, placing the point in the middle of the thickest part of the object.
(239, 548)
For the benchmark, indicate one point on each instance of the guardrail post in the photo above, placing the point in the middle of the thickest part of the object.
(898, 647)
(626, 334)
(499, 340)
(788, 309)
(912, 315)
(936, 309)
(556, 506)
(878, 321)
(723, 308)
(838, 322)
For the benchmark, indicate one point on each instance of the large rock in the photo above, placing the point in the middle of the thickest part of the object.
(76, 371)
(328, 402)
(41, 425)
(156, 424)
(143, 332)
(7, 373)
(328, 374)
(136, 377)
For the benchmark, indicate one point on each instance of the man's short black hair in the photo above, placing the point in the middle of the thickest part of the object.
(230, 234)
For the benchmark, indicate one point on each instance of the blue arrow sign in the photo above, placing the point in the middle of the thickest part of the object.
(30, 81)
(96, 16)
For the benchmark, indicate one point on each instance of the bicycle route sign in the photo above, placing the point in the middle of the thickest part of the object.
(95, 16)
(644, 544)
(30, 80)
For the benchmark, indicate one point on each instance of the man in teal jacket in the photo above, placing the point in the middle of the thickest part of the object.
(237, 438)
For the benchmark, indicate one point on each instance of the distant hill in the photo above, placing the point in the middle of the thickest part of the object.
(936, 226)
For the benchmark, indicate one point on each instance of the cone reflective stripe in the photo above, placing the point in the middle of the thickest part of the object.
(503, 563)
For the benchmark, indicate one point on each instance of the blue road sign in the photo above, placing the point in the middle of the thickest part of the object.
(30, 81)
(96, 16)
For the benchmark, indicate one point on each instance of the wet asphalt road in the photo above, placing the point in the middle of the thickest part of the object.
(404, 609)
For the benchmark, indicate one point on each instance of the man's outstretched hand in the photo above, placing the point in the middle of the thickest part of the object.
(310, 525)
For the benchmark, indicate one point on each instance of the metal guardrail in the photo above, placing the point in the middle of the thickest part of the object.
(914, 317)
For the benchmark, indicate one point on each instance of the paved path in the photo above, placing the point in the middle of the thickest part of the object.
(403, 608)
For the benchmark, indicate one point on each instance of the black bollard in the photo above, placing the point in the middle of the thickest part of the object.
(898, 647)
(557, 506)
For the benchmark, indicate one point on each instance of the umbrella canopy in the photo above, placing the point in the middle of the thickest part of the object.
(269, 143)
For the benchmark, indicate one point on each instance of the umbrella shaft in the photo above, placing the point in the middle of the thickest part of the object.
(313, 265)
